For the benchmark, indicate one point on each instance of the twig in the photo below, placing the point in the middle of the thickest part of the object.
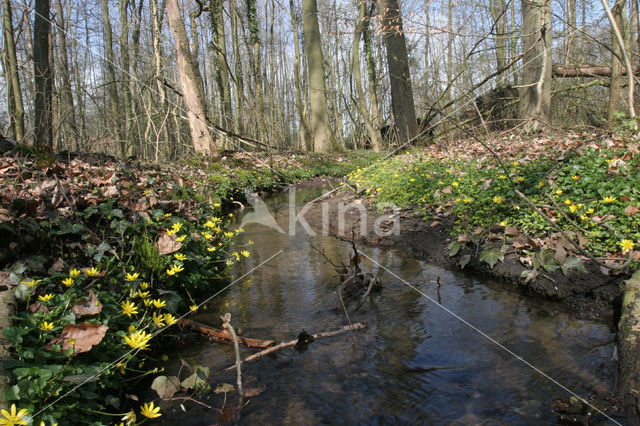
(346, 313)
(226, 319)
(356, 326)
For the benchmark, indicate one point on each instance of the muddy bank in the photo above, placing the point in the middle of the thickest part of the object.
(591, 295)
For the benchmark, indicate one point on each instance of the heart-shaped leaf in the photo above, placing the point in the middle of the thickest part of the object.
(491, 257)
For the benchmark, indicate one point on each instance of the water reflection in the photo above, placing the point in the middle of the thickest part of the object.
(415, 363)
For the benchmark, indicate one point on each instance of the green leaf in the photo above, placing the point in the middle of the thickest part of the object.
(464, 260)
(454, 247)
(491, 257)
(14, 334)
(573, 263)
(198, 380)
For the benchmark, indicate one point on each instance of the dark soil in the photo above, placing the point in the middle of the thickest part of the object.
(594, 295)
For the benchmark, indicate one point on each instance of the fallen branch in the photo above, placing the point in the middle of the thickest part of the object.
(224, 336)
(226, 319)
(356, 326)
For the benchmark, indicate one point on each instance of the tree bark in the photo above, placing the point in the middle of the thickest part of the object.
(190, 82)
(125, 68)
(112, 87)
(220, 61)
(239, 77)
(372, 74)
(254, 38)
(571, 30)
(373, 132)
(43, 112)
(305, 133)
(535, 94)
(561, 71)
(320, 129)
(404, 112)
(615, 89)
(14, 90)
(67, 106)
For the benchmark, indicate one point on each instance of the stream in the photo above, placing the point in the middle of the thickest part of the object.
(415, 363)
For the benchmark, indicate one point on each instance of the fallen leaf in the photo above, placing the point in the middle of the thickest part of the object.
(90, 305)
(165, 386)
(631, 210)
(251, 392)
(168, 244)
(58, 266)
(86, 335)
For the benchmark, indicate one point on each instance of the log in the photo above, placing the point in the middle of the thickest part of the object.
(356, 326)
(628, 385)
(224, 336)
(562, 71)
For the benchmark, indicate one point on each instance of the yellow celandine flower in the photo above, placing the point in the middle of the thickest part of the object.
(568, 202)
(142, 294)
(455, 184)
(627, 245)
(515, 163)
(503, 223)
(591, 211)
(228, 234)
(609, 199)
(540, 184)
(68, 282)
(71, 341)
(129, 308)
(236, 255)
(466, 200)
(147, 302)
(181, 238)
(440, 182)
(147, 192)
(229, 262)
(138, 339)
(174, 269)
(92, 272)
(46, 326)
(211, 248)
(575, 177)
(245, 253)
(573, 208)
(158, 303)
(412, 180)
(130, 418)
(193, 308)
(14, 417)
(559, 192)
(131, 277)
(167, 215)
(144, 285)
(170, 232)
(207, 236)
(502, 177)
(74, 273)
(230, 214)
(216, 205)
(165, 358)
(176, 226)
(149, 411)
(170, 319)
(520, 179)
(498, 199)
(132, 328)
(584, 217)
(46, 297)
(179, 256)
(30, 283)
(158, 319)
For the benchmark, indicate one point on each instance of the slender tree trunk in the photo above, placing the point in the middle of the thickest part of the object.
(125, 68)
(220, 61)
(374, 133)
(14, 91)
(615, 90)
(158, 53)
(404, 113)
(300, 103)
(112, 86)
(67, 106)
(43, 104)
(239, 77)
(367, 38)
(254, 38)
(498, 14)
(190, 82)
(320, 129)
(571, 30)
(535, 94)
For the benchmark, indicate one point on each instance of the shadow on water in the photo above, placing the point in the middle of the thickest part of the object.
(413, 364)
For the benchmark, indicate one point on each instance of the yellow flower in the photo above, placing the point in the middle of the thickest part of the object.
(193, 308)
(138, 340)
(573, 208)
(45, 298)
(568, 202)
(540, 184)
(181, 238)
(132, 328)
(216, 205)
(165, 358)
(245, 253)
(440, 182)
(502, 177)
(609, 199)
(559, 192)
(45, 326)
(92, 272)
(455, 184)
(158, 303)
(131, 277)
(497, 199)
(211, 248)
(170, 232)
(30, 283)
(158, 319)
(207, 236)
(176, 227)
(149, 411)
(71, 341)
(13, 418)
(520, 179)
(229, 262)
(68, 282)
(129, 308)
(236, 255)
(74, 273)
(590, 211)
(170, 319)
(412, 180)
(627, 245)
(575, 177)
(181, 257)
(147, 302)
(144, 285)
(503, 223)
(142, 294)
(167, 215)
(146, 192)
(228, 234)
(467, 200)
(130, 418)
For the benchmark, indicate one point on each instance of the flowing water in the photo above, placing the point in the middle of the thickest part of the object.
(415, 363)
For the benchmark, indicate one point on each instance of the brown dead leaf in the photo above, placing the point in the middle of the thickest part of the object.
(168, 244)
(5, 216)
(37, 307)
(511, 231)
(85, 336)
(58, 266)
(447, 189)
(631, 210)
(90, 305)
(251, 392)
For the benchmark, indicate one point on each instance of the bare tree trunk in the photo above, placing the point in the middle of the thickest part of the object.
(43, 76)
(320, 129)
(125, 68)
(220, 55)
(190, 82)
(239, 78)
(14, 91)
(376, 117)
(499, 15)
(571, 30)
(67, 106)
(156, 35)
(112, 86)
(615, 91)
(404, 113)
(305, 133)
(254, 38)
(535, 93)
(374, 133)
